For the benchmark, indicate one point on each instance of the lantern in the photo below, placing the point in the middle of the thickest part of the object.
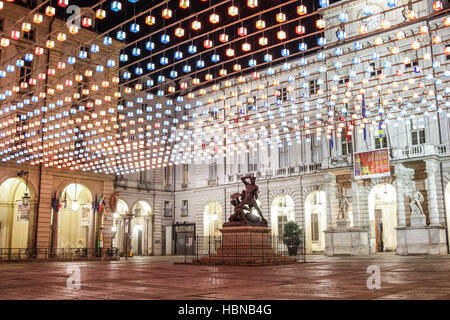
(242, 31)
(233, 11)
(300, 29)
(61, 37)
(214, 18)
(237, 67)
(320, 23)
(223, 37)
(15, 35)
(246, 46)
(38, 18)
(100, 14)
(281, 17)
(86, 22)
(150, 20)
(281, 35)
(184, 4)
(166, 13)
(179, 32)
(208, 44)
(63, 3)
(260, 24)
(116, 6)
(229, 52)
(196, 25)
(437, 5)
(302, 10)
(252, 3)
(50, 11)
(263, 41)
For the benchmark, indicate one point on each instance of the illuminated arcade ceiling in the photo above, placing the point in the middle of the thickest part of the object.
(182, 90)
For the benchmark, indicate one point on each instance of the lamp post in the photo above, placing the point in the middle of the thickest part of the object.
(128, 218)
(26, 197)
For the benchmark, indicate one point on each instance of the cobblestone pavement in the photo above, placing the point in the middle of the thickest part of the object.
(159, 278)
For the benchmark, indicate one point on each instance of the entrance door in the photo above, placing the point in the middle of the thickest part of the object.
(140, 242)
(379, 229)
(163, 241)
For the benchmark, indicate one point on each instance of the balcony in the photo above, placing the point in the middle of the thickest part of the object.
(144, 185)
(421, 150)
(213, 182)
(121, 183)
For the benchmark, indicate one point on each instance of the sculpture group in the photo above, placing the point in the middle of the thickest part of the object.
(244, 203)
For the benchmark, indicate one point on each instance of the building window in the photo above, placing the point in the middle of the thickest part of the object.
(316, 151)
(167, 209)
(284, 94)
(213, 170)
(25, 72)
(30, 35)
(282, 220)
(2, 24)
(381, 143)
(345, 80)
(412, 64)
(314, 86)
(167, 176)
(87, 50)
(283, 154)
(143, 177)
(375, 72)
(185, 169)
(347, 147)
(418, 137)
(185, 208)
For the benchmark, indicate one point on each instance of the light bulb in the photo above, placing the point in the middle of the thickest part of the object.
(75, 205)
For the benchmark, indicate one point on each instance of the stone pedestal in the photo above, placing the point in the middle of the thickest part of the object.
(418, 220)
(346, 241)
(245, 245)
(421, 240)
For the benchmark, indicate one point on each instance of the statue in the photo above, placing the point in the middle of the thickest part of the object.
(416, 204)
(245, 202)
(343, 206)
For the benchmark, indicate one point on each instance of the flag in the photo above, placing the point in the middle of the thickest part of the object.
(364, 116)
(95, 204)
(380, 124)
(347, 136)
(55, 204)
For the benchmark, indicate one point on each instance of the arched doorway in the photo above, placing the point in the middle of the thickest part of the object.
(212, 223)
(315, 221)
(16, 211)
(282, 211)
(142, 229)
(118, 229)
(75, 221)
(383, 218)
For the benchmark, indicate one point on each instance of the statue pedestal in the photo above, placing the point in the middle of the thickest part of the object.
(421, 240)
(346, 241)
(247, 245)
(418, 220)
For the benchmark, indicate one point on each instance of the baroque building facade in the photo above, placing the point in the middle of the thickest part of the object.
(301, 177)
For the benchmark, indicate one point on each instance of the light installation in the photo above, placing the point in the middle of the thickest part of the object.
(144, 113)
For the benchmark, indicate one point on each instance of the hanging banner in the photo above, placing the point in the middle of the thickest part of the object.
(371, 164)
(23, 212)
(86, 210)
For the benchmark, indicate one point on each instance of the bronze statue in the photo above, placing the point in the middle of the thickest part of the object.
(245, 202)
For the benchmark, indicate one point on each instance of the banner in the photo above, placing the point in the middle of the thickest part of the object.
(371, 164)
(23, 212)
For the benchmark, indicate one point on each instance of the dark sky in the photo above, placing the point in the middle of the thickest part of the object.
(130, 10)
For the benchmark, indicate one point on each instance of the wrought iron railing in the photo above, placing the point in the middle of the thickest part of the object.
(241, 249)
(21, 254)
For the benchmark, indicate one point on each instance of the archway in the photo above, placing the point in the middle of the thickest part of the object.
(75, 221)
(141, 229)
(315, 221)
(118, 229)
(383, 218)
(15, 215)
(212, 223)
(282, 211)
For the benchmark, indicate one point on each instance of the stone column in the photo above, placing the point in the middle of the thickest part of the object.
(432, 167)
(356, 207)
(332, 205)
(404, 177)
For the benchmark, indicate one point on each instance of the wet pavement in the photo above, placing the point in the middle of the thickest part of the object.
(321, 277)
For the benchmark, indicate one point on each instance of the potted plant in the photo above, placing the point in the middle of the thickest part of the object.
(292, 237)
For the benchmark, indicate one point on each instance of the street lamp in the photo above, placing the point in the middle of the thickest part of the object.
(128, 217)
(26, 197)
